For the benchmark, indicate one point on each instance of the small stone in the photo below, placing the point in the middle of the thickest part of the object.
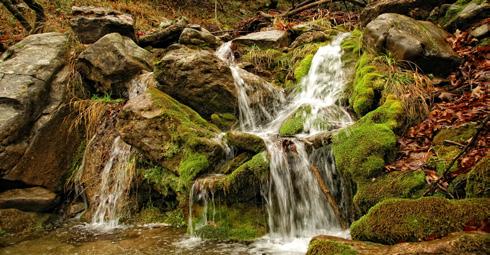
(480, 31)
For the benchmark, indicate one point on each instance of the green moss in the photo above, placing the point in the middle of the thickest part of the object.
(352, 47)
(478, 181)
(302, 69)
(329, 247)
(175, 218)
(460, 135)
(245, 141)
(455, 9)
(390, 114)
(367, 84)
(192, 165)
(443, 157)
(235, 223)
(294, 123)
(362, 150)
(392, 185)
(150, 215)
(224, 121)
(249, 175)
(401, 220)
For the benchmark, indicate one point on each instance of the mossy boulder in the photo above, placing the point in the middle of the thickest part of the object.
(454, 244)
(407, 39)
(245, 141)
(401, 220)
(294, 124)
(478, 180)
(170, 134)
(303, 67)
(391, 185)
(239, 222)
(225, 121)
(464, 13)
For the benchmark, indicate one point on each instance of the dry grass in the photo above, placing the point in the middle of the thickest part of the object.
(90, 113)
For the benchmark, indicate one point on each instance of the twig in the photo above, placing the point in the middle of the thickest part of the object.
(328, 195)
(454, 143)
(445, 175)
(307, 5)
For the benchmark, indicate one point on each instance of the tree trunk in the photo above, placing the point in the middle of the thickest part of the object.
(17, 14)
(40, 17)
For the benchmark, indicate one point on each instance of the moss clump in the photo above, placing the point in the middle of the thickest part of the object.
(303, 67)
(362, 150)
(460, 135)
(294, 124)
(478, 180)
(245, 141)
(235, 223)
(402, 220)
(390, 114)
(392, 185)
(443, 157)
(329, 247)
(368, 83)
(192, 165)
(224, 121)
(248, 177)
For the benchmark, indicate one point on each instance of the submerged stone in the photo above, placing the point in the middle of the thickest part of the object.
(35, 199)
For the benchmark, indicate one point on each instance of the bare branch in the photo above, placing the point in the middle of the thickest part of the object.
(40, 17)
(17, 14)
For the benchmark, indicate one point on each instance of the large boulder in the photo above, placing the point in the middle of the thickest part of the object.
(92, 23)
(265, 39)
(165, 36)
(199, 37)
(35, 143)
(455, 244)
(419, 42)
(108, 64)
(417, 9)
(35, 199)
(406, 220)
(204, 82)
(170, 133)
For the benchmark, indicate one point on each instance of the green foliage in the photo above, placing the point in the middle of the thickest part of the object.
(294, 123)
(329, 247)
(391, 185)
(368, 82)
(192, 165)
(352, 45)
(402, 220)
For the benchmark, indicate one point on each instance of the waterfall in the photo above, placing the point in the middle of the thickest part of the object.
(116, 179)
(297, 208)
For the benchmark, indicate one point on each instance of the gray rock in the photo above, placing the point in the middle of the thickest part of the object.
(202, 81)
(462, 16)
(418, 9)
(265, 39)
(419, 42)
(35, 199)
(26, 71)
(92, 23)
(110, 62)
(202, 38)
(164, 37)
(309, 37)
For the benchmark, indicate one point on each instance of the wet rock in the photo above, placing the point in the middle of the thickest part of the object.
(402, 220)
(294, 124)
(309, 37)
(14, 221)
(199, 79)
(199, 37)
(265, 39)
(92, 23)
(419, 42)
(455, 243)
(245, 141)
(165, 36)
(110, 62)
(417, 9)
(480, 31)
(464, 14)
(170, 133)
(35, 199)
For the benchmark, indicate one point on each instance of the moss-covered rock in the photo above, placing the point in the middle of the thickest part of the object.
(245, 141)
(454, 244)
(294, 124)
(235, 223)
(398, 220)
(460, 135)
(224, 121)
(392, 185)
(464, 13)
(478, 180)
(303, 67)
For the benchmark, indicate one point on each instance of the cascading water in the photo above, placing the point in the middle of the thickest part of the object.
(296, 204)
